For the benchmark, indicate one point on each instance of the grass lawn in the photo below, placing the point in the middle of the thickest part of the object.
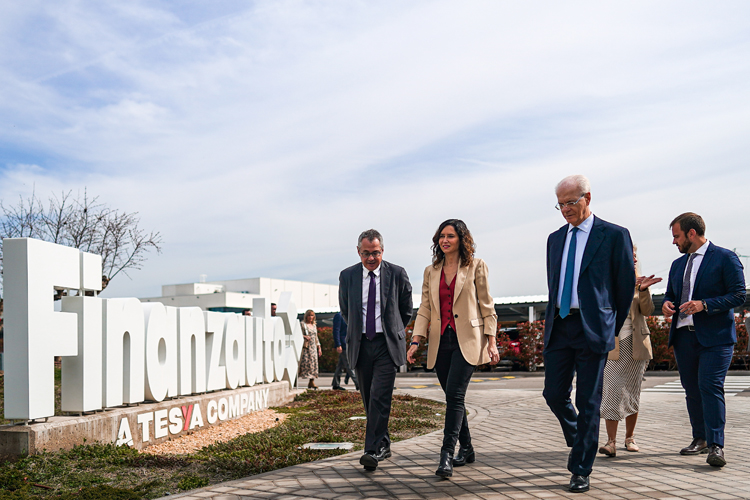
(106, 472)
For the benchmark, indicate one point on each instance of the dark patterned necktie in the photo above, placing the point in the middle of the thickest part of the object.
(686, 284)
(370, 320)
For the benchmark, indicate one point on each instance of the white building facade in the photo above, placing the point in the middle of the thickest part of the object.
(237, 295)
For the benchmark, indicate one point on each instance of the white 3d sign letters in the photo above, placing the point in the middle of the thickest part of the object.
(120, 351)
(161, 351)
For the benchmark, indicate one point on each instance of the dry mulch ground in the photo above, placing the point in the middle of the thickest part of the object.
(190, 443)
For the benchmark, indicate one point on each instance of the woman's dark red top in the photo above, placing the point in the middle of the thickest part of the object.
(446, 302)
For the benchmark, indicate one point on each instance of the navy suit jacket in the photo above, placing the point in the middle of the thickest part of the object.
(721, 283)
(605, 285)
(339, 331)
(395, 308)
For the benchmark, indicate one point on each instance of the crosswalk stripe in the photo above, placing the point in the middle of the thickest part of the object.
(733, 385)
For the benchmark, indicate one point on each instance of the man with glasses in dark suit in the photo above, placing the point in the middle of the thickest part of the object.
(591, 279)
(376, 304)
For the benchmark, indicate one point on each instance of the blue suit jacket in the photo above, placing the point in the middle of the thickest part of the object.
(721, 283)
(339, 331)
(605, 285)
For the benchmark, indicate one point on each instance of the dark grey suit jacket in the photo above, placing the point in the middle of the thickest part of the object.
(395, 309)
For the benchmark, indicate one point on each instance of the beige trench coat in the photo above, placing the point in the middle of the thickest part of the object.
(473, 311)
(641, 307)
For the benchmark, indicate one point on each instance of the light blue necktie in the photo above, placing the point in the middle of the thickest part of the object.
(567, 292)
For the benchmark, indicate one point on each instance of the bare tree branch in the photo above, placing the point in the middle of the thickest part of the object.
(84, 223)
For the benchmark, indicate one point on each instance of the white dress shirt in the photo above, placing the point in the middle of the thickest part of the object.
(366, 295)
(688, 321)
(582, 237)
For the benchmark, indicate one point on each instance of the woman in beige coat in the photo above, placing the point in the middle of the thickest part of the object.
(457, 315)
(625, 367)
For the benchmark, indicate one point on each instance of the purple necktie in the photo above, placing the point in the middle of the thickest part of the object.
(370, 320)
(686, 284)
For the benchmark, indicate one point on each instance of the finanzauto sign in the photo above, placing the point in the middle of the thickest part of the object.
(122, 351)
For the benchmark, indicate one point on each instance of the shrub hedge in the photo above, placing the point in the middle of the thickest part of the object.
(531, 338)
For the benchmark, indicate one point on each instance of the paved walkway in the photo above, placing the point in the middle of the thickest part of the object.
(521, 454)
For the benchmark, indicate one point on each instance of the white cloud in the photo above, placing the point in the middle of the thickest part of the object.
(261, 139)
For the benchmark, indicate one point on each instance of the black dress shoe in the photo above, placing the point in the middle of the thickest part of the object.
(464, 456)
(383, 453)
(339, 388)
(697, 447)
(369, 460)
(716, 456)
(445, 469)
(578, 484)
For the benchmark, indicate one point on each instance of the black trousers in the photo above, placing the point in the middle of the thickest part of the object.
(568, 354)
(376, 373)
(454, 374)
(343, 367)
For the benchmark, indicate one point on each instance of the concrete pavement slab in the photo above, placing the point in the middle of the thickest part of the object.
(521, 454)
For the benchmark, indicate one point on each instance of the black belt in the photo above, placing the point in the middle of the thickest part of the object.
(571, 313)
(690, 328)
(364, 335)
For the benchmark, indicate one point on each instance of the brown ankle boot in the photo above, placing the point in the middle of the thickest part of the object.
(312, 385)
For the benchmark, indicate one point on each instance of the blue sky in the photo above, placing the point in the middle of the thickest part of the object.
(260, 138)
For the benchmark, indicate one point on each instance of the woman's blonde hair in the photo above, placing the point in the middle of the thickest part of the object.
(637, 264)
(309, 313)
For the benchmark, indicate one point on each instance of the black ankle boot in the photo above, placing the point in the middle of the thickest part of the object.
(445, 469)
(464, 456)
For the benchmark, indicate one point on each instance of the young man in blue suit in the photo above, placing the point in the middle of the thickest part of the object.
(591, 280)
(705, 285)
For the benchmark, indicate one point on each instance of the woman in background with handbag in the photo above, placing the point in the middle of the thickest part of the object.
(311, 350)
(460, 312)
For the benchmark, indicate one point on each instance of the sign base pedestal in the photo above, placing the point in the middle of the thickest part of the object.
(142, 425)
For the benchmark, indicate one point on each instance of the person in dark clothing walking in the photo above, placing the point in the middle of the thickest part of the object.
(339, 341)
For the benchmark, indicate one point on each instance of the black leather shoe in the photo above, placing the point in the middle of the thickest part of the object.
(464, 456)
(716, 456)
(578, 484)
(445, 469)
(697, 447)
(339, 388)
(383, 453)
(369, 460)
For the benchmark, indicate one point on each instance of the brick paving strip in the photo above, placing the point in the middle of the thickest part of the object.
(521, 454)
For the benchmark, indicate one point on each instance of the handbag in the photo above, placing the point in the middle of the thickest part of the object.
(306, 344)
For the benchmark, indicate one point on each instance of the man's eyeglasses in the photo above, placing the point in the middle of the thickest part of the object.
(560, 206)
(374, 255)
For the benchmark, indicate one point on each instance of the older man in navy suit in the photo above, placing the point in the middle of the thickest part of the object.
(591, 279)
(705, 285)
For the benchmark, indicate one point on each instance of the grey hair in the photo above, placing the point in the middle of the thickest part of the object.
(370, 235)
(579, 181)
